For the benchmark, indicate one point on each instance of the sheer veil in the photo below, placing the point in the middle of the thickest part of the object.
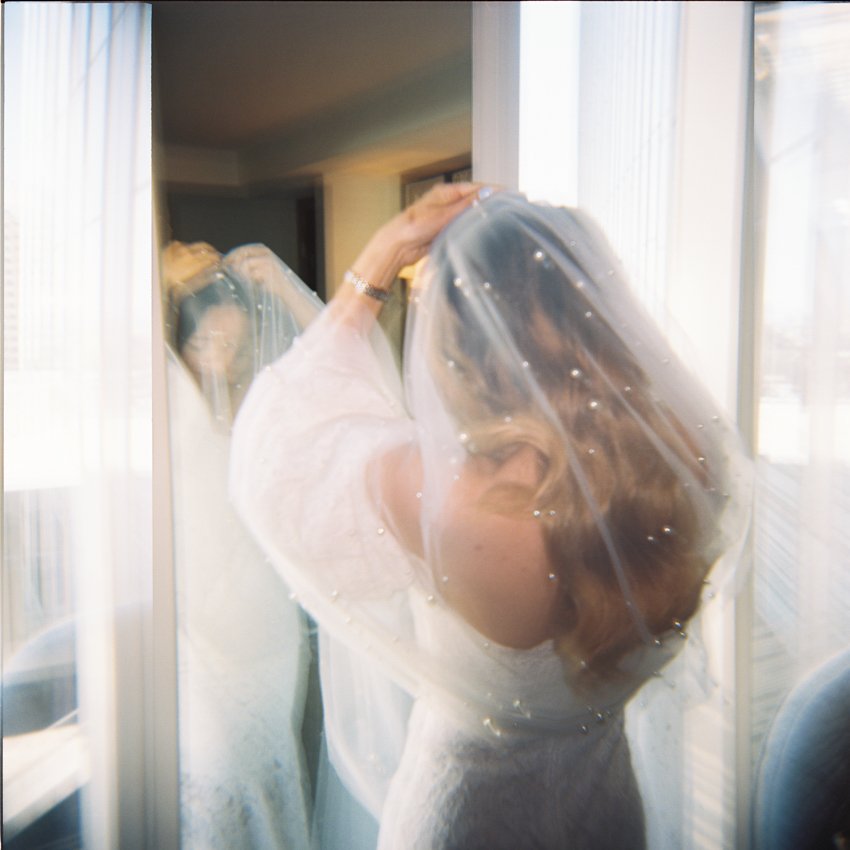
(521, 334)
(243, 651)
(273, 307)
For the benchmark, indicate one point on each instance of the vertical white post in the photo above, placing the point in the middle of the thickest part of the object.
(495, 92)
(549, 101)
(704, 298)
(707, 235)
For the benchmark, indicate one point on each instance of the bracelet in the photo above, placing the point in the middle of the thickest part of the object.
(363, 286)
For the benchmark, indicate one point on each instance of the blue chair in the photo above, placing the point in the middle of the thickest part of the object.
(802, 792)
(39, 681)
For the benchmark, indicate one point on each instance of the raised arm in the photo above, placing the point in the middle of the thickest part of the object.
(403, 240)
(491, 568)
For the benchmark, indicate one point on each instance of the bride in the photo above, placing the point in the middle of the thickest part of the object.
(243, 666)
(516, 534)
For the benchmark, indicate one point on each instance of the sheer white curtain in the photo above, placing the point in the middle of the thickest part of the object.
(801, 581)
(628, 87)
(77, 418)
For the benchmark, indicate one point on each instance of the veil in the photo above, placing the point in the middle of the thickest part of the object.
(243, 649)
(521, 338)
(229, 316)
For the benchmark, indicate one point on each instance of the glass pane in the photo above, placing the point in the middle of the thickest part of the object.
(253, 768)
(641, 102)
(801, 582)
(627, 132)
(244, 648)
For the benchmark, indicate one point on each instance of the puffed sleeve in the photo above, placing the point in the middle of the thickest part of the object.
(302, 446)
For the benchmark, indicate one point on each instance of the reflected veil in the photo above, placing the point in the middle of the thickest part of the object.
(243, 649)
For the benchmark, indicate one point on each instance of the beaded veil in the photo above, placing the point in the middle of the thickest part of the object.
(243, 652)
(228, 316)
(521, 335)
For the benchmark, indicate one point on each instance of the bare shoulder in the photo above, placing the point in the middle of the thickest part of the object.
(492, 569)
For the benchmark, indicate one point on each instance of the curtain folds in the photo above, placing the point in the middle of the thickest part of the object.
(77, 415)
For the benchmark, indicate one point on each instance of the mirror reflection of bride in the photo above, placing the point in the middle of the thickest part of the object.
(244, 652)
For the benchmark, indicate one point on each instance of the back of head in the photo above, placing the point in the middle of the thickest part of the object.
(532, 339)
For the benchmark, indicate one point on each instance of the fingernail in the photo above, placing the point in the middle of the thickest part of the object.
(484, 192)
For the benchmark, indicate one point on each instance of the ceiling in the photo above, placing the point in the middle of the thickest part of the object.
(232, 75)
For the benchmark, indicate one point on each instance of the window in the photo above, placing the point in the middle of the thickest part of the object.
(661, 148)
(656, 96)
(801, 584)
(77, 421)
(653, 107)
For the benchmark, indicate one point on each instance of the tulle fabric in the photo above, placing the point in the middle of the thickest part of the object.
(243, 650)
(224, 352)
(308, 444)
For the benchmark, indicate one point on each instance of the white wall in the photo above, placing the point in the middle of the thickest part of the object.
(194, 166)
(355, 205)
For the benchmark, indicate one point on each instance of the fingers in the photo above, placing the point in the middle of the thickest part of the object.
(408, 236)
(182, 262)
(457, 191)
(439, 205)
(434, 211)
(448, 194)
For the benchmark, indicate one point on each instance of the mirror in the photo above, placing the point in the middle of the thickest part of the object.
(300, 127)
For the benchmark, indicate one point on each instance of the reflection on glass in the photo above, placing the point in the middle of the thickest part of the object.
(801, 581)
(244, 650)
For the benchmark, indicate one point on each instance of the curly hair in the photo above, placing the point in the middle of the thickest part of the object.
(615, 465)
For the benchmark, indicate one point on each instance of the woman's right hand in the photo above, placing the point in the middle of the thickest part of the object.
(402, 241)
(181, 262)
(406, 237)
(415, 228)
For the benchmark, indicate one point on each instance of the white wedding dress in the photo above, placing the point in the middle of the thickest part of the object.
(502, 749)
(530, 764)
(243, 656)
(469, 783)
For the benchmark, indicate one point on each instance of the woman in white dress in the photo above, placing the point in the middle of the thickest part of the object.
(243, 649)
(515, 535)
